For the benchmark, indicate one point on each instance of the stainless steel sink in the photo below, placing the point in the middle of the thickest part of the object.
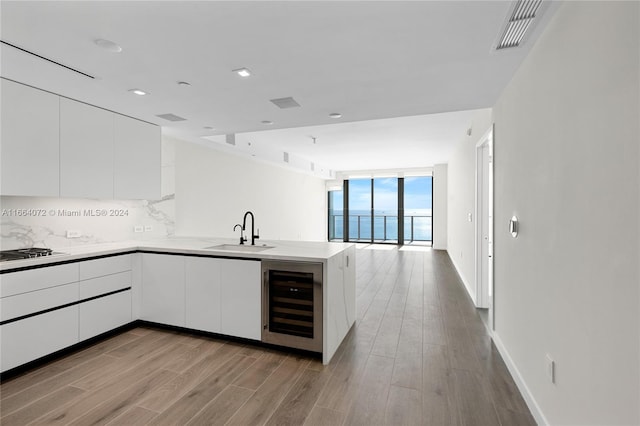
(238, 247)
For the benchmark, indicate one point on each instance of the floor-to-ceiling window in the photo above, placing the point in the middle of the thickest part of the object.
(336, 215)
(385, 210)
(382, 210)
(359, 208)
(418, 209)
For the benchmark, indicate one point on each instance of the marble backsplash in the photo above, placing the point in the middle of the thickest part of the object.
(44, 222)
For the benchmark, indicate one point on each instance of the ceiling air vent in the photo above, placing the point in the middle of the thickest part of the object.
(231, 138)
(285, 157)
(171, 117)
(524, 12)
(285, 102)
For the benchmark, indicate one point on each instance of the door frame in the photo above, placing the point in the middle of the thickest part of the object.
(484, 291)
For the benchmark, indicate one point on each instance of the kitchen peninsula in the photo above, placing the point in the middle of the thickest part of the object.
(202, 284)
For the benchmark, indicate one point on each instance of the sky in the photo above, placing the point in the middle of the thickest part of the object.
(417, 195)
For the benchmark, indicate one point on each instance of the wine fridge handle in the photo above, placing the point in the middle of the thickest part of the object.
(265, 301)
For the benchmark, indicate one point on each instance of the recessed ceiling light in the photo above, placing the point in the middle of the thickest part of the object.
(138, 92)
(108, 45)
(243, 72)
(335, 115)
(267, 122)
(184, 83)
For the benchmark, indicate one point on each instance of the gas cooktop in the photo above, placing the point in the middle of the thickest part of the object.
(26, 253)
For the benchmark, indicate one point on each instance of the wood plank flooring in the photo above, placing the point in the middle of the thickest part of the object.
(419, 354)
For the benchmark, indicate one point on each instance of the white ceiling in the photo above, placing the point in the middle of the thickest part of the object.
(370, 61)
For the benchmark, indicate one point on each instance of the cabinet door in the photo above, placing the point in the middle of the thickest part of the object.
(103, 314)
(163, 298)
(136, 159)
(203, 294)
(31, 338)
(30, 141)
(240, 298)
(86, 150)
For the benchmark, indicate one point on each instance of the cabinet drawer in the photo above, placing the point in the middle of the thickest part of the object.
(14, 283)
(106, 313)
(36, 301)
(25, 340)
(106, 284)
(105, 266)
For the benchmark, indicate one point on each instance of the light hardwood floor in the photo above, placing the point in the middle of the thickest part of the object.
(418, 354)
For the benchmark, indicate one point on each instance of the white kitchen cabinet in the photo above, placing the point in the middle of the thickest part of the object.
(137, 164)
(86, 150)
(53, 146)
(37, 301)
(103, 314)
(105, 266)
(31, 338)
(30, 141)
(163, 289)
(99, 277)
(241, 298)
(202, 293)
(37, 279)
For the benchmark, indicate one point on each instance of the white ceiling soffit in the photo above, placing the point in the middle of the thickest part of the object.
(391, 143)
(367, 60)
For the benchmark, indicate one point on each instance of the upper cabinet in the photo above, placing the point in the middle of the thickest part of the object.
(136, 159)
(30, 141)
(55, 146)
(86, 150)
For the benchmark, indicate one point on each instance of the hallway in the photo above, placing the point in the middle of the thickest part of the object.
(428, 354)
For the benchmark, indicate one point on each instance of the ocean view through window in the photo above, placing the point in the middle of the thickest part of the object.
(374, 207)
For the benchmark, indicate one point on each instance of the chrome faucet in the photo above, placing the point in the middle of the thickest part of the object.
(254, 237)
(242, 238)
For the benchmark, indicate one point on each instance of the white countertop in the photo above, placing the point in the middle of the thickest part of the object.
(305, 251)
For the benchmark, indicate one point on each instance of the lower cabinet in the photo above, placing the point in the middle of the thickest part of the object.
(31, 338)
(202, 292)
(103, 314)
(163, 299)
(241, 299)
(223, 296)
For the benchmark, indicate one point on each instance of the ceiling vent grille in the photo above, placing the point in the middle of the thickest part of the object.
(285, 102)
(285, 157)
(171, 117)
(230, 138)
(524, 12)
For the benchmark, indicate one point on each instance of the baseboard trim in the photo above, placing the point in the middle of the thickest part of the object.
(464, 281)
(537, 413)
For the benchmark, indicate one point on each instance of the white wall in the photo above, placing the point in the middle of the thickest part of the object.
(440, 207)
(215, 189)
(461, 200)
(566, 163)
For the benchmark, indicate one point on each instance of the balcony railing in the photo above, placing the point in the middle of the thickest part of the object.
(417, 228)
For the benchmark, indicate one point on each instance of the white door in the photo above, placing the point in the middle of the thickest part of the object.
(484, 224)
